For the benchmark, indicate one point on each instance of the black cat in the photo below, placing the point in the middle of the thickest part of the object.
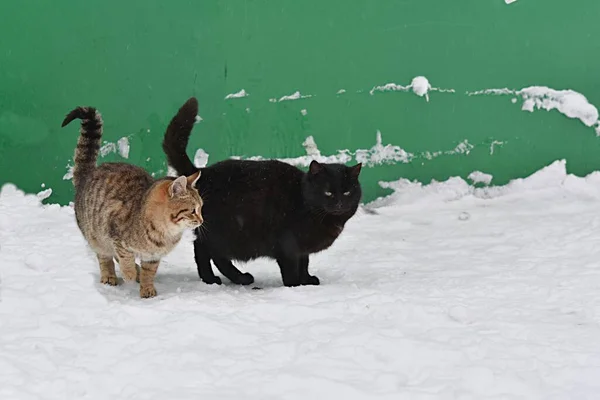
(263, 208)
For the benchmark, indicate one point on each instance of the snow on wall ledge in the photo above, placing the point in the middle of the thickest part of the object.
(568, 102)
(419, 86)
(237, 95)
(379, 154)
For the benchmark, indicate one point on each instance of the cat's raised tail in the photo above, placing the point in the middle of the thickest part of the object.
(88, 145)
(177, 136)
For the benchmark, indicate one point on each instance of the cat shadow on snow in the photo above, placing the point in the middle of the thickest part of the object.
(178, 285)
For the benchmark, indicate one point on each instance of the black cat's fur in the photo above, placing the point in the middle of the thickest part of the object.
(258, 209)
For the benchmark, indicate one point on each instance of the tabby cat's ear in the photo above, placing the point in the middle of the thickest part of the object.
(355, 170)
(315, 167)
(178, 186)
(192, 179)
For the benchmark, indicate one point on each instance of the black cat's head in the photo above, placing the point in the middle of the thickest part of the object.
(334, 188)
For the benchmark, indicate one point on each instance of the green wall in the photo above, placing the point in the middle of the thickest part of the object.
(138, 61)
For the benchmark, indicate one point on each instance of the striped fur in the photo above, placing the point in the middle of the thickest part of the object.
(123, 212)
(88, 145)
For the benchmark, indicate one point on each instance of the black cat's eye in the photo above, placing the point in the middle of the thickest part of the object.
(328, 194)
(347, 193)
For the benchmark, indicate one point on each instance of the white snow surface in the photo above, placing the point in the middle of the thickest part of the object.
(444, 291)
(480, 177)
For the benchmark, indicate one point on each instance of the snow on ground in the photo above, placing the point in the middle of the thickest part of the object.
(445, 292)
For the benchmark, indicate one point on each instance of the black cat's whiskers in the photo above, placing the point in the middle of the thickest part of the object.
(321, 214)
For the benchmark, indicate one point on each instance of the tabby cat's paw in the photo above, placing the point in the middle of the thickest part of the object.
(245, 279)
(147, 291)
(213, 280)
(109, 280)
(311, 280)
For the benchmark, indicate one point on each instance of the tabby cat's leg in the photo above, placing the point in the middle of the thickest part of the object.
(148, 271)
(202, 256)
(231, 272)
(107, 270)
(127, 265)
(305, 277)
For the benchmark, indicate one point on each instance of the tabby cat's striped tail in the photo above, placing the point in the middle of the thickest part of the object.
(88, 145)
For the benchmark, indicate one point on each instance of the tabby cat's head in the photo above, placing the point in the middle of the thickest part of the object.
(180, 202)
(333, 188)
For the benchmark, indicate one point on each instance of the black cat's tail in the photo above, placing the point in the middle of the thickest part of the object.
(177, 137)
(88, 145)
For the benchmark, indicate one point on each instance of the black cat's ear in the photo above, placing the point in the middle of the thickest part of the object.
(355, 171)
(315, 167)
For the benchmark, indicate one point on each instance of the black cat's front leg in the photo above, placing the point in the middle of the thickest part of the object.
(236, 276)
(290, 272)
(305, 277)
(288, 260)
(202, 256)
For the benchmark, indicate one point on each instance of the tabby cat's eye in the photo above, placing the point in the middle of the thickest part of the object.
(328, 194)
(346, 193)
(193, 212)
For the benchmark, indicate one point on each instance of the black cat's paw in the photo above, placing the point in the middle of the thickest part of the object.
(311, 280)
(212, 280)
(245, 279)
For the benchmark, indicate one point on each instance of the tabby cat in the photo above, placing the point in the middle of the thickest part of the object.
(124, 213)
(263, 208)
